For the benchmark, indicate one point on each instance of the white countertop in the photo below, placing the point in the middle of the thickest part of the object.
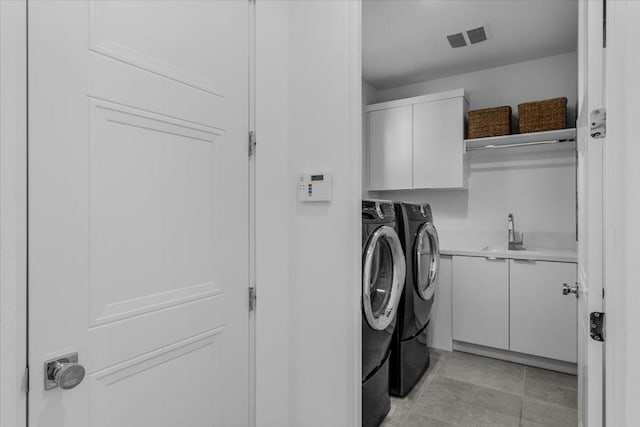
(495, 245)
(538, 254)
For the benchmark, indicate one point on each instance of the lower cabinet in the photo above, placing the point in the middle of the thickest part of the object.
(481, 301)
(439, 335)
(515, 305)
(543, 322)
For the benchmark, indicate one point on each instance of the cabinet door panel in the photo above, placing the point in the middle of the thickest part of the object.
(390, 148)
(543, 321)
(438, 144)
(440, 325)
(481, 301)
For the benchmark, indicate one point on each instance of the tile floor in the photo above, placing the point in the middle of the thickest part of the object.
(461, 389)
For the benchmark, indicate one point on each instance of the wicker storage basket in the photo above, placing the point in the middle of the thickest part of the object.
(490, 122)
(539, 116)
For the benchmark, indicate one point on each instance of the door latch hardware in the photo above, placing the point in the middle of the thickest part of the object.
(64, 372)
(598, 123)
(252, 298)
(26, 380)
(596, 320)
(567, 289)
(252, 143)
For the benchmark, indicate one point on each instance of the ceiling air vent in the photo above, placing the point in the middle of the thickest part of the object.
(477, 35)
(457, 40)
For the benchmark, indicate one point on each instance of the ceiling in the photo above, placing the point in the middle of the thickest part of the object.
(405, 41)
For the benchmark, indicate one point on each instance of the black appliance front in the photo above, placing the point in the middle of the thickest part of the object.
(383, 271)
(409, 351)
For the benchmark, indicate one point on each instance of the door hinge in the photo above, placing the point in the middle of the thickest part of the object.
(252, 298)
(596, 320)
(252, 143)
(598, 123)
(26, 380)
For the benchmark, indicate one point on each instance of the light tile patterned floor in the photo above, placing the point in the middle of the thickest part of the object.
(461, 389)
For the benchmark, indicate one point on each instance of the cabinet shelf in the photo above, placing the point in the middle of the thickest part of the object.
(521, 140)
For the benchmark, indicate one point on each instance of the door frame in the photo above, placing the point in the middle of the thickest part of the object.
(13, 212)
(622, 206)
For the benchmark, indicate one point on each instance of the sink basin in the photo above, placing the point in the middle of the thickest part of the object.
(495, 249)
(517, 248)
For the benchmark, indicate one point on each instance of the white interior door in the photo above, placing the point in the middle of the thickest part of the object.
(138, 211)
(590, 212)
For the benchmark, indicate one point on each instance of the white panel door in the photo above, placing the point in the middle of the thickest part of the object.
(390, 149)
(590, 212)
(542, 321)
(138, 211)
(481, 301)
(438, 144)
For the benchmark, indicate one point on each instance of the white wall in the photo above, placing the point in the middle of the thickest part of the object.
(369, 93)
(308, 119)
(536, 184)
(273, 206)
(513, 84)
(325, 135)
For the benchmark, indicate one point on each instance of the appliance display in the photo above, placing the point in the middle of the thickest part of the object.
(409, 350)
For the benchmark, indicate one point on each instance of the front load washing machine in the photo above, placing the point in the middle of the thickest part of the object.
(409, 351)
(383, 275)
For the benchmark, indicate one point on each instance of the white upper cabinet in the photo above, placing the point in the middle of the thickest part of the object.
(390, 147)
(418, 142)
(438, 144)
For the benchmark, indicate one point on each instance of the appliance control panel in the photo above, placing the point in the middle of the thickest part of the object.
(314, 187)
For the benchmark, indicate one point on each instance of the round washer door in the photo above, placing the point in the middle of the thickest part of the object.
(383, 273)
(427, 260)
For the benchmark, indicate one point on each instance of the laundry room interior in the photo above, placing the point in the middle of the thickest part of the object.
(469, 127)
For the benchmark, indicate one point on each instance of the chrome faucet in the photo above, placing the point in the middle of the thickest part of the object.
(516, 240)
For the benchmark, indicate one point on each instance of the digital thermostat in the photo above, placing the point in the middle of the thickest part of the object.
(314, 188)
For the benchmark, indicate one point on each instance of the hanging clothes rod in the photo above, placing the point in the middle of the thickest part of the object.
(521, 140)
(519, 144)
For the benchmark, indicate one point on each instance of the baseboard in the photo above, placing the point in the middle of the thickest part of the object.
(512, 356)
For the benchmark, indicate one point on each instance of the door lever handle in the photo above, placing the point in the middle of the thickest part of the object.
(568, 289)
